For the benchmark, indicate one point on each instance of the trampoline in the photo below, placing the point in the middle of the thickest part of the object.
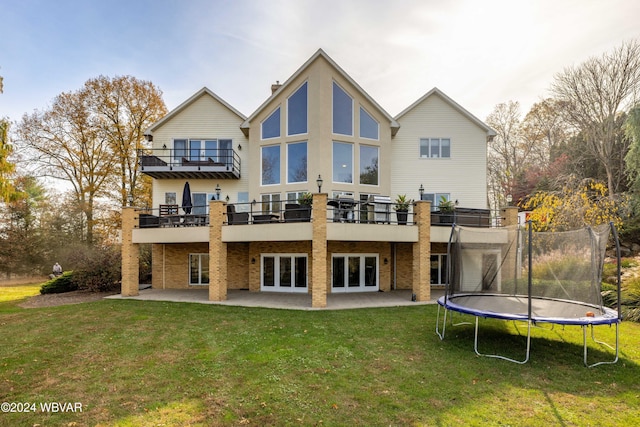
(515, 274)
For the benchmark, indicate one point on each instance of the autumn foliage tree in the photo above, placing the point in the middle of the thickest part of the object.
(89, 139)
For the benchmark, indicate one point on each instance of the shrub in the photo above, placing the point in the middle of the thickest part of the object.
(98, 270)
(60, 284)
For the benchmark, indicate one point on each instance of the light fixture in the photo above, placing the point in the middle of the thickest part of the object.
(509, 199)
(227, 198)
(253, 260)
(218, 191)
(386, 261)
(421, 191)
(319, 182)
(164, 146)
(130, 199)
(239, 147)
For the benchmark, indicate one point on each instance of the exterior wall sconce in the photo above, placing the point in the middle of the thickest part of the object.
(421, 191)
(239, 147)
(164, 146)
(386, 261)
(227, 198)
(319, 183)
(253, 260)
(218, 191)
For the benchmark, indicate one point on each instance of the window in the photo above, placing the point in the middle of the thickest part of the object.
(170, 198)
(294, 196)
(271, 203)
(342, 162)
(342, 111)
(297, 111)
(198, 269)
(435, 199)
(368, 126)
(435, 147)
(284, 272)
(368, 165)
(271, 125)
(438, 269)
(203, 149)
(271, 165)
(354, 272)
(297, 162)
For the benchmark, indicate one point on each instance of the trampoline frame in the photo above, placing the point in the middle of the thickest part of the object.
(609, 317)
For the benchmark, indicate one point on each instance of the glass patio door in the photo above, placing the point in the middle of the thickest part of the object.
(354, 273)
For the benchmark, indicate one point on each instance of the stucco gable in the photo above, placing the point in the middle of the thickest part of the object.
(285, 86)
(437, 92)
(202, 92)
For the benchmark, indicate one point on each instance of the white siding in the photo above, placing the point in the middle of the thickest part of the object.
(205, 117)
(463, 175)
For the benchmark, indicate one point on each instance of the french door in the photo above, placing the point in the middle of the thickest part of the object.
(354, 273)
(283, 273)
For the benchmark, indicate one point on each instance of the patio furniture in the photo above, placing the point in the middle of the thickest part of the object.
(234, 217)
(294, 212)
(265, 218)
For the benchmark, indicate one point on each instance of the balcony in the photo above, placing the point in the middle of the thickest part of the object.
(182, 164)
(347, 220)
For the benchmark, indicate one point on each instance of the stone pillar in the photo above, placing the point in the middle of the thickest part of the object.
(509, 253)
(509, 216)
(422, 251)
(130, 254)
(319, 251)
(217, 252)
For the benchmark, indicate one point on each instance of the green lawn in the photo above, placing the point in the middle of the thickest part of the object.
(137, 363)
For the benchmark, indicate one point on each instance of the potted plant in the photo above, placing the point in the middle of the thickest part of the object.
(402, 208)
(305, 200)
(446, 208)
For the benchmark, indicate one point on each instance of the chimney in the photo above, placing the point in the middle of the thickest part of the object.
(275, 87)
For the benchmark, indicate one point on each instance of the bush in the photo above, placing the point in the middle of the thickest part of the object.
(60, 284)
(98, 270)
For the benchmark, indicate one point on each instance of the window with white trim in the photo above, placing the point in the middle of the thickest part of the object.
(438, 269)
(435, 199)
(198, 269)
(435, 148)
(342, 111)
(342, 162)
(297, 111)
(270, 164)
(369, 165)
(369, 127)
(215, 150)
(271, 203)
(296, 162)
(283, 272)
(271, 125)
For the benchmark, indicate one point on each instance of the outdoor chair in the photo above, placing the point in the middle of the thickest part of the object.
(234, 217)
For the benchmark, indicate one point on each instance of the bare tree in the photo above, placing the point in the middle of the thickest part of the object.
(592, 96)
(508, 153)
(544, 129)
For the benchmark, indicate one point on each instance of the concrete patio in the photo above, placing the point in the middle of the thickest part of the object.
(290, 301)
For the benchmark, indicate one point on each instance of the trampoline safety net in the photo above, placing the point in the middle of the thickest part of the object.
(561, 265)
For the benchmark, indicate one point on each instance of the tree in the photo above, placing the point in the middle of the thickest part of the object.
(7, 190)
(509, 153)
(578, 203)
(68, 143)
(632, 159)
(90, 138)
(592, 96)
(126, 107)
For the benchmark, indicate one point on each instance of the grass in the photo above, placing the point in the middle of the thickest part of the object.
(136, 363)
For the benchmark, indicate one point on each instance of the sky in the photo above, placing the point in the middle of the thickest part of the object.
(479, 52)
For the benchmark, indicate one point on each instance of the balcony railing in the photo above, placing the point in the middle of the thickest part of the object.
(338, 211)
(171, 163)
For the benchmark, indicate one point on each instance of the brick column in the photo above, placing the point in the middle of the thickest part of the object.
(509, 216)
(422, 251)
(319, 251)
(217, 252)
(130, 254)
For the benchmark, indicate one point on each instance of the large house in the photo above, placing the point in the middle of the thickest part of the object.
(300, 196)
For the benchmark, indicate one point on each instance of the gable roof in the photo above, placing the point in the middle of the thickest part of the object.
(188, 102)
(452, 103)
(320, 53)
